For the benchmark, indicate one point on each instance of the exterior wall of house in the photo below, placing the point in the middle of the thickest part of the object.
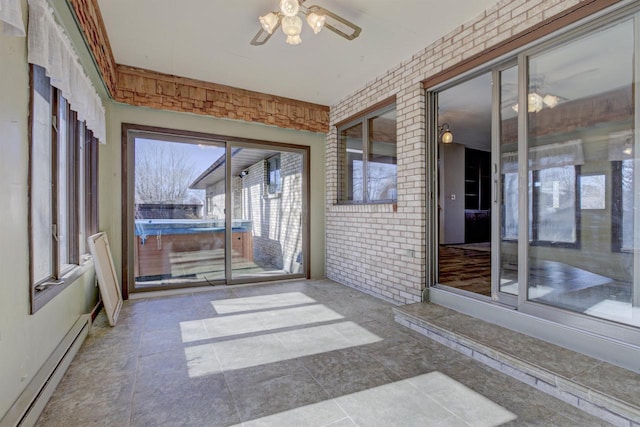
(380, 249)
(26, 341)
(215, 197)
(276, 220)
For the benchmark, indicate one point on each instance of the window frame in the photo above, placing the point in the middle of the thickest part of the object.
(535, 217)
(274, 188)
(362, 119)
(82, 162)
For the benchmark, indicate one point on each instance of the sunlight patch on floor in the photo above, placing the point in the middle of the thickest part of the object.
(428, 399)
(247, 323)
(261, 302)
(246, 352)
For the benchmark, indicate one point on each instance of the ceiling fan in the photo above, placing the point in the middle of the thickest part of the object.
(288, 17)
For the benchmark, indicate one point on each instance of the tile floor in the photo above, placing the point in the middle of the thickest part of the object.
(289, 354)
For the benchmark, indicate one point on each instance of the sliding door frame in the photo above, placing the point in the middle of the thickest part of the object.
(132, 131)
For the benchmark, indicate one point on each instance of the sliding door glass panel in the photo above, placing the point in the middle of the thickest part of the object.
(464, 187)
(582, 154)
(509, 181)
(267, 208)
(179, 207)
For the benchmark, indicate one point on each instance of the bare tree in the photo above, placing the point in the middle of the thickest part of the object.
(163, 174)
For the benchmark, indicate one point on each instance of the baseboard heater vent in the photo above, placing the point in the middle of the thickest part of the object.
(29, 405)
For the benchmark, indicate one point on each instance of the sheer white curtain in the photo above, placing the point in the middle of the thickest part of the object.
(11, 15)
(50, 48)
(567, 153)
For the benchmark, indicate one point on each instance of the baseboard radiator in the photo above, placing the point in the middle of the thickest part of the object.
(29, 405)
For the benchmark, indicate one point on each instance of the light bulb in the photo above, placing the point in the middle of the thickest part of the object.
(447, 137)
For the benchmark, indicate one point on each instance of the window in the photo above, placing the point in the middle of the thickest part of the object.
(368, 158)
(554, 214)
(274, 175)
(63, 190)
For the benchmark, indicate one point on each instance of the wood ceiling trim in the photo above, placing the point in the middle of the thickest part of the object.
(140, 87)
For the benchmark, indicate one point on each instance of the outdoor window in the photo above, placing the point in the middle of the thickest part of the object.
(63, 189)
(274, 176)
(368, 157)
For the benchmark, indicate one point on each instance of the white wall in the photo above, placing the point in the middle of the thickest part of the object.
(110, 169)
(25, 340)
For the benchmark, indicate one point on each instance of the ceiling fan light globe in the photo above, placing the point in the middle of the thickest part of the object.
(292, 26)
(316, 21)
(534, 103)
(293, 40)
(289, 7)
(269, 22)
(550, 100)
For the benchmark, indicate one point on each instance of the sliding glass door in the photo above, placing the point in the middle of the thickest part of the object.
(209, 212)
(559, 123)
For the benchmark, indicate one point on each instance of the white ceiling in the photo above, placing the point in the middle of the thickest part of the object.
(209, 40)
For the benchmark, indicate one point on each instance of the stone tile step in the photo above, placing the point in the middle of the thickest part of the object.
(599, 388)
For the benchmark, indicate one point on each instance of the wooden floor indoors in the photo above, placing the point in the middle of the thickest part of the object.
(465, 268)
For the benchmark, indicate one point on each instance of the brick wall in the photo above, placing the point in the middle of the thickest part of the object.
(161, 91)
(277, 229)
(216, 200)
(378, 248)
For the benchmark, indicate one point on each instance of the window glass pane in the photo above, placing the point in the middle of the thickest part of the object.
(381, 168)
(64, 155)
(351, 175)
(509, 176)
(580, 131)
(82, 189)
(274, 175)
(178, 239)
(268, 229)
(41, 178)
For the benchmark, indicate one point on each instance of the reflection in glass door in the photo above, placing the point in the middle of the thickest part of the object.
(583, 155)
(177, 240)
(267, 213)
(507, 164)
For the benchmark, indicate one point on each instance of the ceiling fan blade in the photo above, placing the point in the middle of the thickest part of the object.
(337, 24)
(262, 36)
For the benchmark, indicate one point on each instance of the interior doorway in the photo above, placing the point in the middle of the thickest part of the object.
(465, 185)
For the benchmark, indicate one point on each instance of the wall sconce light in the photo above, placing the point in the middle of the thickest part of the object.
(243, 173)
(445, 134)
